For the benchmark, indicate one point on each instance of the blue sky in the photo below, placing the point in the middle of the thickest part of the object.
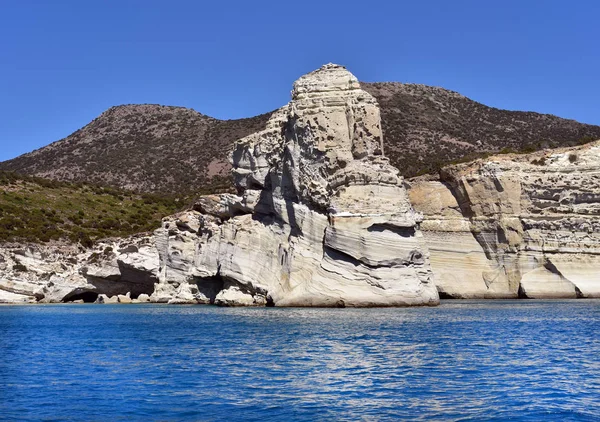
(63, 62)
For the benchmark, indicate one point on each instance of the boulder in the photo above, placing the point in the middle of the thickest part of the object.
(235, 296)
(102, 298)
(124, 298)
(143, 298)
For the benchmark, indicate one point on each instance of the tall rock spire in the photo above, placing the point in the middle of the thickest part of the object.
(323, 219)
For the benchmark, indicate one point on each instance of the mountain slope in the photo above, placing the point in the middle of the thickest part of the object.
(427, 127)
(155, 148)
(39, 210)
(150, 148)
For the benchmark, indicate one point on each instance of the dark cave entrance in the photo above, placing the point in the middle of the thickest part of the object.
(87, 297)
(210, 286)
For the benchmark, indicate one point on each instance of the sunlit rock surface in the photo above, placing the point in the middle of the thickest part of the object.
(321, 219)
(534, 224)
(59, 272)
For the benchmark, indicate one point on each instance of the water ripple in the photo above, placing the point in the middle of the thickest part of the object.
(463, 361)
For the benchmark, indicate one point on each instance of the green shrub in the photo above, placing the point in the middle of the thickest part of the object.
(586, 140)
(40, 211)
(506, 150)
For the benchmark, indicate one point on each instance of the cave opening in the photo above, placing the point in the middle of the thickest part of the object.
(87, 297)
(210, 286)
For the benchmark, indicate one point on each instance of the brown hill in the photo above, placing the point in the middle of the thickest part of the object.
(149, 148)
(155, 148)
(427, 127)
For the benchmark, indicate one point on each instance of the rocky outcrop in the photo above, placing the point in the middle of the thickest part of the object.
(457, 259)
(60, 272)
(31, 273)
(321, 218)
(515, 225)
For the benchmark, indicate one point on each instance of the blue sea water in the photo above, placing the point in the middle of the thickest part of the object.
(464, 360)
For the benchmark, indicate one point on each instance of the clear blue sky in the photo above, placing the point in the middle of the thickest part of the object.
(63, 62)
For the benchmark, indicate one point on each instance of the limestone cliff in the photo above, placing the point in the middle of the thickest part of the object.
(515, 225)
(62, 272)
(322, 219)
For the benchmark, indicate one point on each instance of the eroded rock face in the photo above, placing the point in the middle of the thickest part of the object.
(457, 259)
(516, 225)
(31, 273)
(322, 219)
(66, 273)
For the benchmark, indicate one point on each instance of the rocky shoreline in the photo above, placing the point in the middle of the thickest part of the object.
(515, 226)
(322, 219)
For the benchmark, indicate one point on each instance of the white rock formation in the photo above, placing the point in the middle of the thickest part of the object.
(457, 259)
(60, 272)
(31, 273)
(124, 298)
(322, 218)
(533, 219)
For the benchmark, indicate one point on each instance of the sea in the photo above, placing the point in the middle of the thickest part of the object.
(522, 360)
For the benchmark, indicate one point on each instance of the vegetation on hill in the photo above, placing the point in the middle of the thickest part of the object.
(149, 148)
(173, 152)
(40, 210)
(154, 148)
(427, 127)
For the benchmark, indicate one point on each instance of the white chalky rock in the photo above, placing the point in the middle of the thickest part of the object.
(515, 225)
(321, 219)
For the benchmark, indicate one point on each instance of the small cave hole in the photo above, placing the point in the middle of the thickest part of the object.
(444, 295)
(87, 297)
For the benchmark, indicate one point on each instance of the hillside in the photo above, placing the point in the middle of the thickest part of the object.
(149, 148)
(39, 210)
(427, 127)
(153, 148)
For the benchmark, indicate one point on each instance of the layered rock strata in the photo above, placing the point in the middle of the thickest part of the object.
(321, 219)
(515, 225)
(60, 272)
